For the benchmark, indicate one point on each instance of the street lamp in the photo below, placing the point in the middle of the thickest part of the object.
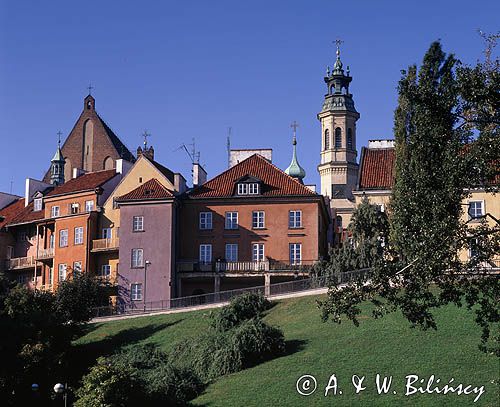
(148, 263)
(60, 388)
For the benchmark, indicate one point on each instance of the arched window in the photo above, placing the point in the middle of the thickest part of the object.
(338, 137)
(349, 139)
(327, 139)
(108, 163)
(338, 221)
(332, 89)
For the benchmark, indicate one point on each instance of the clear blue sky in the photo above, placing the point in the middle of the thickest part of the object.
(184, 69)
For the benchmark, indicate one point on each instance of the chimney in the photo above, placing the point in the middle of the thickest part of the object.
(199, 175)
(31, 187)
(122, 166)
(179, 183)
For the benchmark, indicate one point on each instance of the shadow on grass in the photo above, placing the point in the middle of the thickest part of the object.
(83, 356)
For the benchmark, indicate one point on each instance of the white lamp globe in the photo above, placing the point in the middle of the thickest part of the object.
(59, 388)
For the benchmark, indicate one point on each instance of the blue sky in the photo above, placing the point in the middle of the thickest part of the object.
(184, 69)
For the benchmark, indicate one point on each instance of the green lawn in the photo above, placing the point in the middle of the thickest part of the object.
(387, 346)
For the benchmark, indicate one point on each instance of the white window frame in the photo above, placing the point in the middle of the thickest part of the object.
(89, 206)
(107, 233)
(205, 221)
(481, 202)
(138, 223)
(79, 235)
(62, 270)
(231, 252)
(242, 189)
(205, 254)
(294, 219)
(63, 242)
(137, 258)
(258, 219)
(231, 221)
(253, 189)
(74, 208)
(55, 211)
(295, 250)
(77, 267)
(258, 252)
(136, 291)
(37, 204)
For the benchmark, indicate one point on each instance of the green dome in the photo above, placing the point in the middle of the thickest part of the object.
(294, 169)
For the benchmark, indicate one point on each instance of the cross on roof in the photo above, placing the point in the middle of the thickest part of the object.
(338, 42)
(146, 135)
(90, 87)
(294, 126)
(59, 133)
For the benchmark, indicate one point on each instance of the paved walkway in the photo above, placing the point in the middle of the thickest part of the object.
(316, 291)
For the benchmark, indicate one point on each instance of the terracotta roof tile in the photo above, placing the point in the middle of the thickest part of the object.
(276, 182)
(27, 215)
(83, 182)
(12, 210)
(377, 168)
(151, 189)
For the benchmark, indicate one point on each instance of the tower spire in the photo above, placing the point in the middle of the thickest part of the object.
(294, 169)
(57, 164)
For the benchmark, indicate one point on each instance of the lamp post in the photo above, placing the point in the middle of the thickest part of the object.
(146, 264)
(60, 388)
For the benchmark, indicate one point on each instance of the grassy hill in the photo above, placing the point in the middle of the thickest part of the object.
(387, 346)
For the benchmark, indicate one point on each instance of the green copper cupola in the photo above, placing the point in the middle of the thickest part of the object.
(294, 169)
(57, 165)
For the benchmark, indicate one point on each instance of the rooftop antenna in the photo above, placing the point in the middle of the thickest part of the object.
(11, 185)
(228, 146)
(193, 155)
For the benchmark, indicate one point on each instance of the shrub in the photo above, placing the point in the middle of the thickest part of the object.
(241, 308)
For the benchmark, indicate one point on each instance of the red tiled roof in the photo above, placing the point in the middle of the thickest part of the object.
(377, 168)
(84, 182)
(151, 189)
(26, 215)
(276, 182)
(12, 210)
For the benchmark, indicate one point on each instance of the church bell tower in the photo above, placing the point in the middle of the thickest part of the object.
(338, 168)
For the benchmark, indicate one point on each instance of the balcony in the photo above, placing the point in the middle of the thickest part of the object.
(18, 263)
(45, 254)
(105, 245)
(268, 265)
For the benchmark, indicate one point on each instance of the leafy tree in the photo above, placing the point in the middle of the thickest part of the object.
(446, 131)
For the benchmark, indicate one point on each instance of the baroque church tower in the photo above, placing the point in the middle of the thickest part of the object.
(338, 168)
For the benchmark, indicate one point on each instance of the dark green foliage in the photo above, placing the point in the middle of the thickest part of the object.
(446, 131)
(240, 308)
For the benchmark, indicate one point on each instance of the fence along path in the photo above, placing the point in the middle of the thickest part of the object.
(212, 300)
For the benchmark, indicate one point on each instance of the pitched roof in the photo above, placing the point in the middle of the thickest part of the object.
(84, 182)
(164, 170)
(27, 215)
(377, 168)
(275, 181)
(151, 189)
(12, 210)
(121, 148)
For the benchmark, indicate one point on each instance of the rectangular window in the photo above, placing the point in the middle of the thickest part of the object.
(476, 209)
(55, 211)
(77, 267)
(242, 189)
(136, 292)
(61, 275)
(138, 224)
(51, 275)
(295, 253)
(51, 242)
(205, 253)
(37, 205)
(107, 233)
(231, 252)
(258, 219)
(22, 237)
(258, 252)
(295, 219)
(205, 220)
(79, 235)
(89, 206)
(231, 220)
(253, 189)
(137, 258)
(105, 271)
(63, 238)
(74, 208)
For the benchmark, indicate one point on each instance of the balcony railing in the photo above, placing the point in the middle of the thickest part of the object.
(105, 244)
(267, 265)
(20, 263)
(44, 254)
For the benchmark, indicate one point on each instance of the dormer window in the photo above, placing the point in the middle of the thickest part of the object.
(37, 204)
(253, 188)
(250, 188)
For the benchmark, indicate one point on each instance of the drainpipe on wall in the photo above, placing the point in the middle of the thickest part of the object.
(37, 246)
